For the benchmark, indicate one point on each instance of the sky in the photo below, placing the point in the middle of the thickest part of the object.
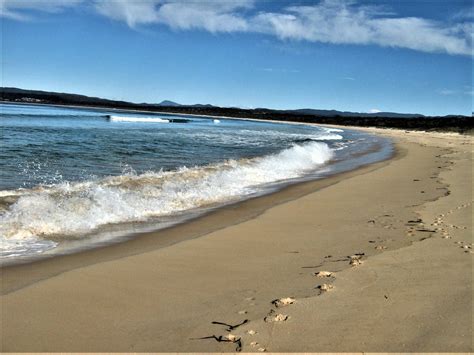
(412, 56)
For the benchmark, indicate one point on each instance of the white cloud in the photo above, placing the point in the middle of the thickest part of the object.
(374, 110)
(212, 16)
(19, 9)
(281, 70)
(328, 21)
(342, 22)
(132, 12)
(447, 92)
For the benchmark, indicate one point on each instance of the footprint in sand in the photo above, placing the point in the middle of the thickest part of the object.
(355, 260)
(325, 287)
(242, 312)
(322, 274)
(283, 302)
(276, 318)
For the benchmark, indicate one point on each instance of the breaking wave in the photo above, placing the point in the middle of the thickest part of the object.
(33, 218)
(137, 119)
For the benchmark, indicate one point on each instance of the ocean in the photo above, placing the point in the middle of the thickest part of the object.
(75, 178)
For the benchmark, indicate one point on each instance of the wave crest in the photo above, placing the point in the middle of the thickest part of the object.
(137, 119)
(74, 209)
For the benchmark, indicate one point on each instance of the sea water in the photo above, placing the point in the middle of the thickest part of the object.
(77, 176)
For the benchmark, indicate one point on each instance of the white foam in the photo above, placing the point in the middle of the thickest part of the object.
(328, 137)
(138, 119)
(80, 208)
(15, 247)
(216, 121)
(333, 129)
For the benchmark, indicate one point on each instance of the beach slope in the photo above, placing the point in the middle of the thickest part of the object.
(395, 236)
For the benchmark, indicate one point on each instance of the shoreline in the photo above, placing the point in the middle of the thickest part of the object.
(19, 272)
(243, 118)
(129, 232)
(270, 250)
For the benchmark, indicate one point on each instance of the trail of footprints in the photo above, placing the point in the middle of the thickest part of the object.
(440, 226)
(276, 315)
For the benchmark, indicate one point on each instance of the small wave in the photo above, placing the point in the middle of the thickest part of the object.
(333, 130)
(137, 119)
(327, 137)
(76, 209)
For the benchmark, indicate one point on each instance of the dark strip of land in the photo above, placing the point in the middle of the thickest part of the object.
(450, 123)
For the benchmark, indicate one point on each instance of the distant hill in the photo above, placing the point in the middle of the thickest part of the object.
(168, 103)
(329, 113)
(457, 123)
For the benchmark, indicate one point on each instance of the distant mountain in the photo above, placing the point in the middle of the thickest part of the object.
(456, 123)
(31, 96)
(168, 103)
(202, 105)
(332, 113)
(38, 96)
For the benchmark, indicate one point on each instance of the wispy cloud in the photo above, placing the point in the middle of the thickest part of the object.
(449, 92)
(280, 70)
(212, 16)
(343, 22)
(328, 21)
(465, 14)
(446, 92)
(20, 9)
(348, 78)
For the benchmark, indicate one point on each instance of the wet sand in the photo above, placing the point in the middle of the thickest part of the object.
(407, 224)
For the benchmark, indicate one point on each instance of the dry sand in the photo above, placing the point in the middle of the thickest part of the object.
(411, 290)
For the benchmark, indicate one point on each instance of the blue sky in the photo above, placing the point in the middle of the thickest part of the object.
(402, 56)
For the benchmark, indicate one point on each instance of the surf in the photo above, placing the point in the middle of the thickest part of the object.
(72, 210)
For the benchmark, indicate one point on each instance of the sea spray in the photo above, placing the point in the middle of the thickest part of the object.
(74, 209)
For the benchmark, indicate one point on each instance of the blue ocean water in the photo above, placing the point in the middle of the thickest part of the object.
(68, 173)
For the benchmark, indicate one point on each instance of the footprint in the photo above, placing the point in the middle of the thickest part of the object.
(276, 318)
(283, 302)
(242, 312)
(251, 332)
(325, 287)
(355, 260)
(323, 274)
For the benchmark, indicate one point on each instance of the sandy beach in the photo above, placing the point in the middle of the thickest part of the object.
(395, 239)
